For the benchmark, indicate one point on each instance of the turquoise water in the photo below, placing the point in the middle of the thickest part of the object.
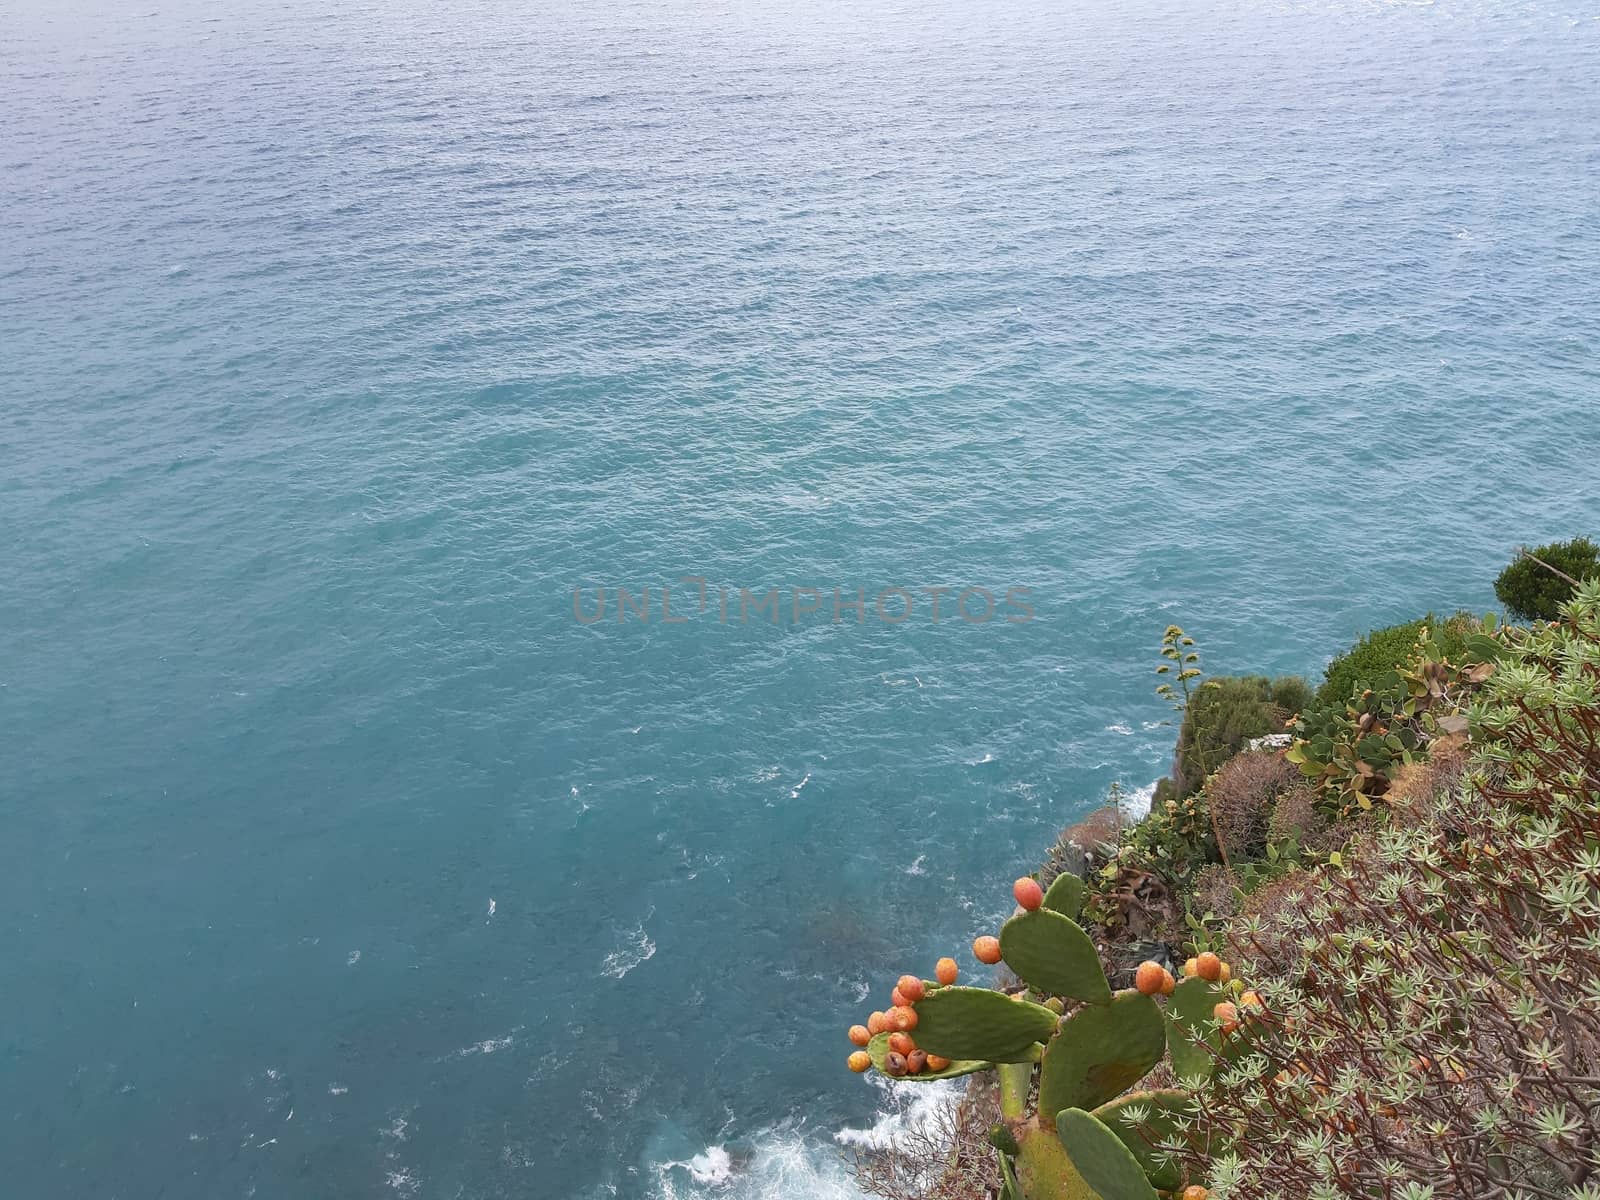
(341, 343)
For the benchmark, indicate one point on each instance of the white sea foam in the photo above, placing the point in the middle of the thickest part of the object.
(487, 1046)
(795, 793)
(783, 1166)
(916, 867)
(636, 948)
(1137, 803)
(907, 1109)
(1121, 728)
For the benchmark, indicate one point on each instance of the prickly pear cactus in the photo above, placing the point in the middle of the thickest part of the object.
(878, 1048)
(1046, 1172)
(1086, 1136)
(1053, 955)
(1065, 895)
(1144, 1119)
(1100, 1158)
(1192, 1038)
(1100, 1052)
(976, 1023)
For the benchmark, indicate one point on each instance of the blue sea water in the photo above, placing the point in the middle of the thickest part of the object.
(340, 343)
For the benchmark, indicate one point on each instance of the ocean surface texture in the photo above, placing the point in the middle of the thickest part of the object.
(341, 342)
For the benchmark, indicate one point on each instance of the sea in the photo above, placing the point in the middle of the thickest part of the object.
(476, 480)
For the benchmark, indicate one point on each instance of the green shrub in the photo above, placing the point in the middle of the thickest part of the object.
(1352, 750)
(1389, 649)
(1226, 712)
(1532, 593)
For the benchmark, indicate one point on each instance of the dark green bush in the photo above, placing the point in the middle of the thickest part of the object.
(1388, 649)
(1532, 593)
(1225, 713)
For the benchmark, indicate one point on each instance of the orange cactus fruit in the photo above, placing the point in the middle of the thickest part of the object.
(897, 999)
(935, 1063)
(1195, 1192)
(986, 950)
(912, 988)
(1028, 893)
(894, 1064)
(1148, 977)
(917, 1062)
(1250, 1001)
(902, 1019)
(946, 971)
(1208, 966)
(902, 1043)
(1225, 975)
(1228, 1015)
(877, 1023)
(859, 1061)
(1168, 983)
(860, 1034)
(1190, 968)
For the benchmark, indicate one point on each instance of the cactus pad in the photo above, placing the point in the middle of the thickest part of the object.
(1163, 1112)
(1100, 1052)
(1052, 954)
(1100, 1158)
(1065, 895)
(978, 1024)
(878, 1048)
(1192, 1036)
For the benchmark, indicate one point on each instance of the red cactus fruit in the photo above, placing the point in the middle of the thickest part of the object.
(912, 988)
(1149, 977)
(902, 1019)
(894, 1064)
(877, 1023)
(902, 1043)
(986, 950)
(1208, 966)
(946, 971)
(860, 1034)
(897, 999)
(1028, 893)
